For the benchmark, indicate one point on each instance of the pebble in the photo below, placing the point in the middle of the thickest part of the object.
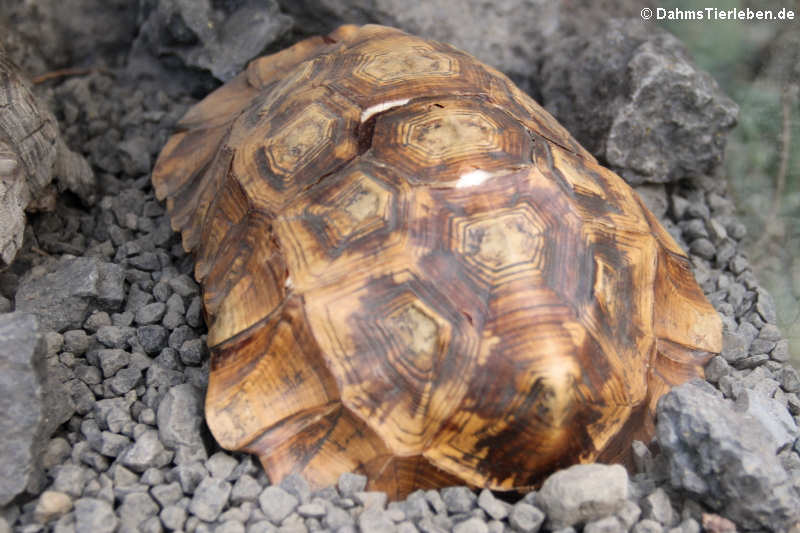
(277, 504)
(95, 515)
(210, 497)
(526, 518)
(51, 505)
(583, 493)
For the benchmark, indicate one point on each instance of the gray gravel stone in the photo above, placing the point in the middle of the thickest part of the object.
(495, 508)
(112, 360)
(114, 336)
(473, 525)
(526, 518)
(609, 524)
(70, 479)
(151, 313)
(246, 488)
(193, 352)
(189, 475)
(658, 507)
(152, 338)
(375, 519)
(146, 452)
(76, 341)
(277, 504)
(458, 499)
(173, 517)
(167, 494)
(135, 509)
(350, 483)
(94, 515)
(724, 458)
(220, 465)
(583, 493)
(647, 526)
(125, 380)
(60, 296)
(311, 510)
(209, 498)
(629, 514)
(293, 484)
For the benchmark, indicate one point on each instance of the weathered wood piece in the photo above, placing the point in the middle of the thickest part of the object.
(411, 270)
(32, 155)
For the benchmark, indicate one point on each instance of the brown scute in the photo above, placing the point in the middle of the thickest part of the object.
(410, 270)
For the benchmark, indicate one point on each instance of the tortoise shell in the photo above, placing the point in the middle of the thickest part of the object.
(412, 271)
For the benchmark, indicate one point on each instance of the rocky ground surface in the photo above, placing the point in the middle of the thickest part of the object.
(101, 333)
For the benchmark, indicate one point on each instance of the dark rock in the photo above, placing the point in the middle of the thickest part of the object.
(152, 338)
(22, 409)
(76, 341)
(193, 352)
(582, 493)
(724, 458)
(61, 295)
(631, 95)
(151, 313)
(112, 360)
(218, 37)
(125, 380)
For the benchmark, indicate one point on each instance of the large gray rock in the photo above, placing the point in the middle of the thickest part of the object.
(582, 493)
(725, 458)
(61, 293)
(220, 37)
(632, 96)
(22, 413)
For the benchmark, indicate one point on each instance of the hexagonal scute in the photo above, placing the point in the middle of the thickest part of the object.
(444, 139)
(346, 225)
(392, 66)
(403, 355)
(279, 153)
(501, 242)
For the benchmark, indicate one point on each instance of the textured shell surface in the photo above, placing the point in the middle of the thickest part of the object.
(412, 271)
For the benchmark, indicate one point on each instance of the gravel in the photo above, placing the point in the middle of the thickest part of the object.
(131, 356)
